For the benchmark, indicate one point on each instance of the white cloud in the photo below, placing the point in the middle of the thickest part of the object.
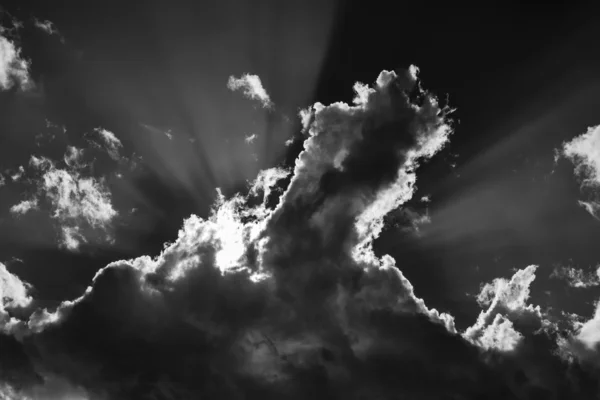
(589, 333)
(507, 302)
(80, 205)
(252, 87)
(14, 293)
(584, 152)
(73, 157)
(24, 206)
(18, 174)
(112, 144)
(577, 278)
(592, 207)
(250, 138)
(14, 70)
(500, 335)
(46, 26)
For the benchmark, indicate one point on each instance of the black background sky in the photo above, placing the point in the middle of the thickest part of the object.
(523, 78)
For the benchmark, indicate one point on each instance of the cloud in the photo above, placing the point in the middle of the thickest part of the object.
(46, 26)
(17, 174)
(290, 300)
(14, 70)
(14, 293)
(252, 87)
(507, 303)
(250, 138)
(80, 205)
(109, 141)
(577, 278)
(584, 152)
(24, 206)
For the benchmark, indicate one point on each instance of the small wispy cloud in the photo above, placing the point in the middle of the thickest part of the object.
(250, 138)
(252, 87)
(576, 277)
(17, 174)
(46, 26)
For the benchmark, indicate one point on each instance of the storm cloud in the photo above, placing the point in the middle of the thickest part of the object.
(292, 301)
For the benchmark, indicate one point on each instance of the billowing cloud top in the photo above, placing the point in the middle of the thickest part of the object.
(290, 301)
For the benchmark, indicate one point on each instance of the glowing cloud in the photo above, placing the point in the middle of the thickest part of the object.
(252, 87)
(584, 152)
(14, 70)
(14, 293)
(506, 301)
(80, 205)
(577, 278)
(110, 142)
(288, 301)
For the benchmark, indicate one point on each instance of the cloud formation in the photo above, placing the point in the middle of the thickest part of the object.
(80, 205)
(584, 152)
(506, 301)
(14, 69)
(46, 26)
(252, 88)
(290, 300)
(14, 293)
(577, 278)
(110, 142)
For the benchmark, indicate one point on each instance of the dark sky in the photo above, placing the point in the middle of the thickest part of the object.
(523, 79)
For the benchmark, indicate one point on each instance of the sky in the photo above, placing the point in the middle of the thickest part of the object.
(301, 199)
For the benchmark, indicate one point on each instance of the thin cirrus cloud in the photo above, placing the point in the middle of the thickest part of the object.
(252, 87)
(46, 26)
(293, 302)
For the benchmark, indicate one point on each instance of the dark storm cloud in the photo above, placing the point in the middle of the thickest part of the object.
(222, 301)
(292, 302)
